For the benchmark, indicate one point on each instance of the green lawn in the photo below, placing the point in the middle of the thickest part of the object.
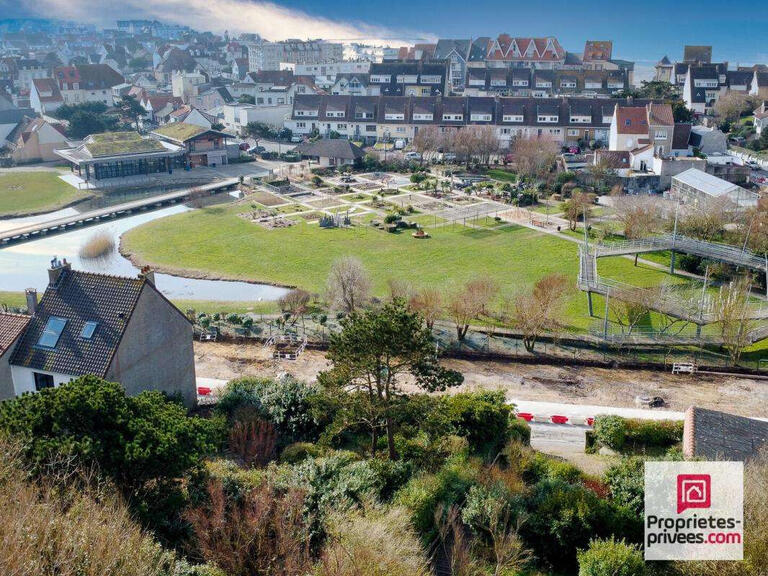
(502, 175)
(213, 240)
(26, 193)
(13, 300)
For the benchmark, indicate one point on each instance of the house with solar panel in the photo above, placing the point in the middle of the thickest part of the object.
(120, 329)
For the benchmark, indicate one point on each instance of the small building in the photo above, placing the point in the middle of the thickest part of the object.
(121, 154)
(45, 96)
(697, 187)
(331, 152)
(36, 140)
(761, 117)
(708, 140)
(202, 147)
(120, 329)
(713, 435)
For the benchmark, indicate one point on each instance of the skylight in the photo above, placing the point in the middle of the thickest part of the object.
(52, 332)
(88, 329)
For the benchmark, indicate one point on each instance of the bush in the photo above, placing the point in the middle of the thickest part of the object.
(298, 451)
(483, 418)
(375, 544)
(610, 431)
(52, 527)
(626, 483)
(424, 494)
(418, 177)
(536, 467)
(631, 433)
(285, 402)
(654, 433)
(564, 517)
(611, 558)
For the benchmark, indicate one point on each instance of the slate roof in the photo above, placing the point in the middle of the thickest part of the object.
(88, 77)
(336, 148)
(681, 136)
(11, 327)
(713, 435)
(80, 297)
(446, 46)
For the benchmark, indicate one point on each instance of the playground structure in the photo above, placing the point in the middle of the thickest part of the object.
(673, 301)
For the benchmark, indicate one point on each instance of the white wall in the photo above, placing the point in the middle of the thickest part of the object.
(24, 379)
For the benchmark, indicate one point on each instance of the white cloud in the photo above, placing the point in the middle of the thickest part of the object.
(268, 19)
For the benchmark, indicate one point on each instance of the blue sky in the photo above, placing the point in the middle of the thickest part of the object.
(641, 31)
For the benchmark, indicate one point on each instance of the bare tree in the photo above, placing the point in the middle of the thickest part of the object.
(348, 284)
(295, 303)
(427, 139)
(399, 289)
(429, 303)
(731, 105)
(470, 303)
(733, 316)
(465, 144)
(577, 206)
(538, 312)
(484, 142)
(535, 157)
(631, 306)
(641, 216)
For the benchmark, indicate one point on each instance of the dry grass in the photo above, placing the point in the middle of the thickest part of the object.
(99, 245)
(51, 527)
(374, 544)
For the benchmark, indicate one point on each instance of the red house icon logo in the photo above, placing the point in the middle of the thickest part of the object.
(693, 491)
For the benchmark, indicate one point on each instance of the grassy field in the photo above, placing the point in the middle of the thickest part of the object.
(24, 193)
(214, 241)
(13, 299)
(502, 175)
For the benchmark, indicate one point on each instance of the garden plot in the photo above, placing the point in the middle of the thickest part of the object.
(265, 198)
(324, 202)
(389, 179)
(472, 212)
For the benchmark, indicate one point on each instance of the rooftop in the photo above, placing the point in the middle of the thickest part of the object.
(11, 327)
(179, 131)
(700, 180)
(116, 143)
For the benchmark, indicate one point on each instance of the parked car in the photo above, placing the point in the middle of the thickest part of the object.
(296, 139)
(412, 156)
(243, 146)
(449, 157)
(752, 164)
(257, 150)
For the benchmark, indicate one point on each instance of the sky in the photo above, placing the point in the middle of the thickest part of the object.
(643, 32)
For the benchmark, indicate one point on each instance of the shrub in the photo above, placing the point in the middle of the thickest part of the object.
(374, 544)
(520, 431)
(264, 531)
(563, 517)
(52, 527)
(483, 418)
(426, 493)
(626, 483)
(611, 558)
(146, 444)
(610, 431)
(285, 402)
(295, 453)
(654, 433)
(418, 177)
(536, 467)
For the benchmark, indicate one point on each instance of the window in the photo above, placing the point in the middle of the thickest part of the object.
(480, 117)
(43, 381)
(572, 132)
(660, 135)
(512, 118)
(52, 332)
(88, 329)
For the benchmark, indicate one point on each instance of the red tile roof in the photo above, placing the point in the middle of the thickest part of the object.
(11, 327)
(631, 120)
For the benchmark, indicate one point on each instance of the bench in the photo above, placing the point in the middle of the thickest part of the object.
(683, 368)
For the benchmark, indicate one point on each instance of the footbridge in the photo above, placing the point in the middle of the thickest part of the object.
(676, 301)
(59, 225)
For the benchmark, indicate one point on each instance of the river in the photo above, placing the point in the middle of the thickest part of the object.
(25, 265)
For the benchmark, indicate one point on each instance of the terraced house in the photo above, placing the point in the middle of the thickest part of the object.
(567, 120)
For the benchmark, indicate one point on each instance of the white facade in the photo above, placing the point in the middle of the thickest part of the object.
(24, 379)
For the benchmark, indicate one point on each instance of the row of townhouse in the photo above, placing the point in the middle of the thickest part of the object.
(544, 83)
(566, 120)
(504, 51)
(75, 85)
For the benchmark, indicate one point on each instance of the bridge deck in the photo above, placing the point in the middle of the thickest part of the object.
(29, 232)
(710, 250)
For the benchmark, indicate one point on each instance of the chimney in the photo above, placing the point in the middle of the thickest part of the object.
(31, 301)
(55, 271)
(148, 274)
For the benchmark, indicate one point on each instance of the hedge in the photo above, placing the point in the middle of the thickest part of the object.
(623, 434)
